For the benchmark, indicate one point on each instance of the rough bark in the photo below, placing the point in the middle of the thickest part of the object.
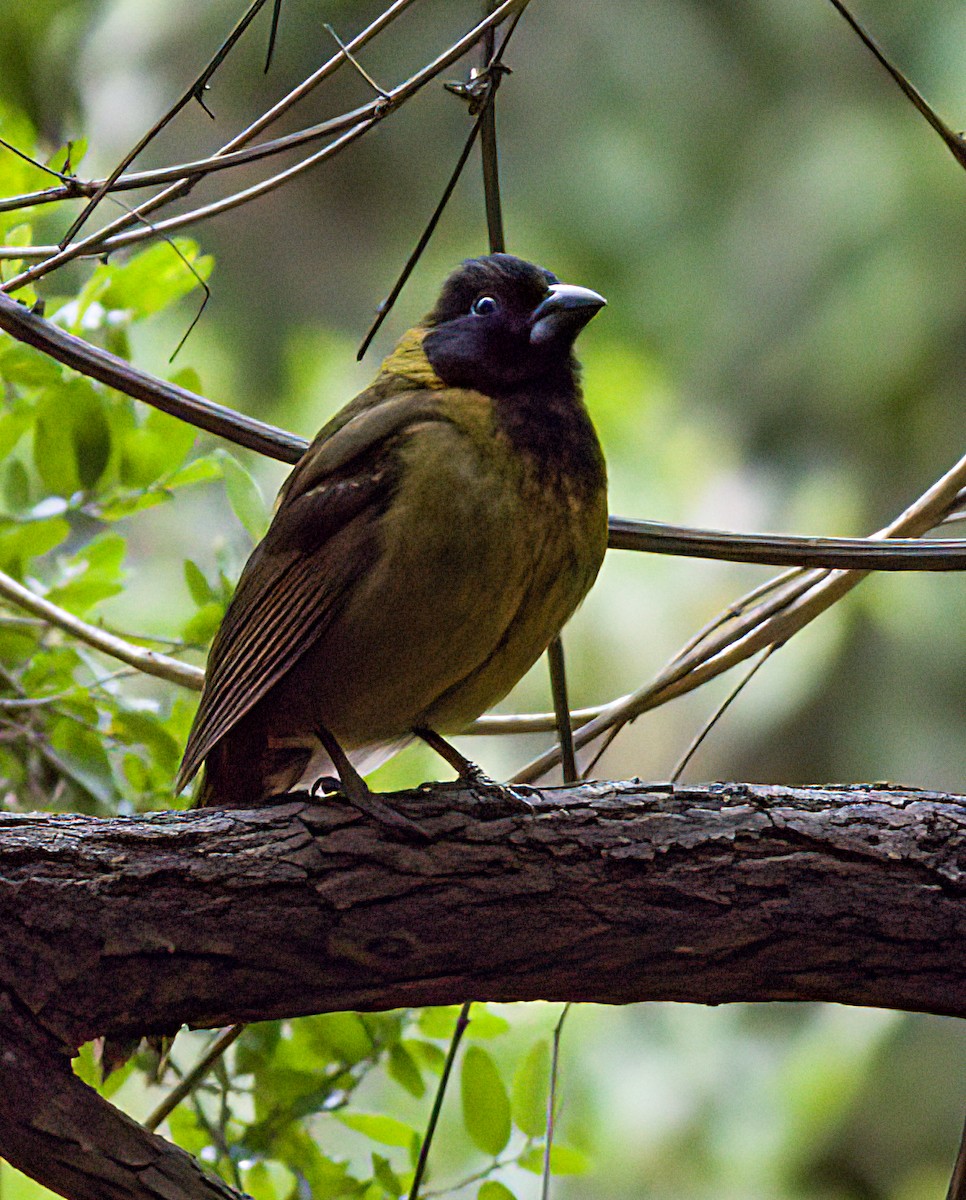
(606, 892)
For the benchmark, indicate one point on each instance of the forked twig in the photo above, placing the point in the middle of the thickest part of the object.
(113, 236)
(796, 603)
(194, 92)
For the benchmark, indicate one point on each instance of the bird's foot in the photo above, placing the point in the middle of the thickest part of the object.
(354, 788)
(473, 776)
(515, 796)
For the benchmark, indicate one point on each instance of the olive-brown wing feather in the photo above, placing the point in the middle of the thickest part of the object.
(291, 587)
(297, 577)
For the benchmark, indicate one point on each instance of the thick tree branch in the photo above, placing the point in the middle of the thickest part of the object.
(607, 892)
(604, 892)
(58, 1130)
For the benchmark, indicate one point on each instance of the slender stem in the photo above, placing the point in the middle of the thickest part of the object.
(488, 146)
(954, 141)
(107, 368)
(719, 713)
(148, 661)
(187, 1085)
(561, 710)
(194, 92)
(384, 309)
(387, 305)
(462, 1021)
(552, 1101)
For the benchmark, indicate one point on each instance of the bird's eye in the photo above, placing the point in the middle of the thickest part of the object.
(483, 306)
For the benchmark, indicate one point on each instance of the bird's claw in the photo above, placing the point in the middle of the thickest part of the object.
(516, 796)
(356, 793)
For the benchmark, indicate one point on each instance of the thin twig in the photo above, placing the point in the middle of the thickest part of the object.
(107, 368)
(386, 306)
(112, 236)
(192, 171)
(954, 141)
(462, 1021)
(194, 92)
(181, 187)
(803, 600)
(718, 713)
(561, 710)
(148, 661)
(188, 1084)
(552, 1101)
(492, 77)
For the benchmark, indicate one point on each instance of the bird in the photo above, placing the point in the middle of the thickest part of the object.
(429, 545)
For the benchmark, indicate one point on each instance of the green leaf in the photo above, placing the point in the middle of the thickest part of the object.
(24, 367)
(268, 1180)
(186, 1130)
(200, 470)
(485, 1024)
(494, 1190)
(439, 1022)
(21, 543)
(428, 1053)
(14, 1186)
(154, 449)
(72, 439)
(199, 587)
(564, 1160)
(244, 496)
(16, 485)
(149, 281)
(340, 1037)
(385, 1130)
(529, 1091)
(120, 507)
(93, 574)
(86, 1067)
(82, 752)
(143, 729)
(382, 1170)
(402, 1067)
(202, 627)
(486, 1106)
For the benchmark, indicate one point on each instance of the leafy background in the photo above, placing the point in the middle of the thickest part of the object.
(776, 232)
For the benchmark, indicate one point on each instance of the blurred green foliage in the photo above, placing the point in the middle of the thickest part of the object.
(776, 232)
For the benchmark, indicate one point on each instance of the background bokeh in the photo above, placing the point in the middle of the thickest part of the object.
(779, 237)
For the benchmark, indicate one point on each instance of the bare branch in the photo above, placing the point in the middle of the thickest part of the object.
(794, 604)
(149, 661)
(107, 368)
(955, 142)
(113, 237)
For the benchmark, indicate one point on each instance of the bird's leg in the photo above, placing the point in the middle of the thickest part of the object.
(360, 796)
(467, 770)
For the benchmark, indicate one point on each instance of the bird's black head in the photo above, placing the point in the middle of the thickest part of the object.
(502, 324)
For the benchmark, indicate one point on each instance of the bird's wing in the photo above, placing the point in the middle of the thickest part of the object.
(297, 577)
